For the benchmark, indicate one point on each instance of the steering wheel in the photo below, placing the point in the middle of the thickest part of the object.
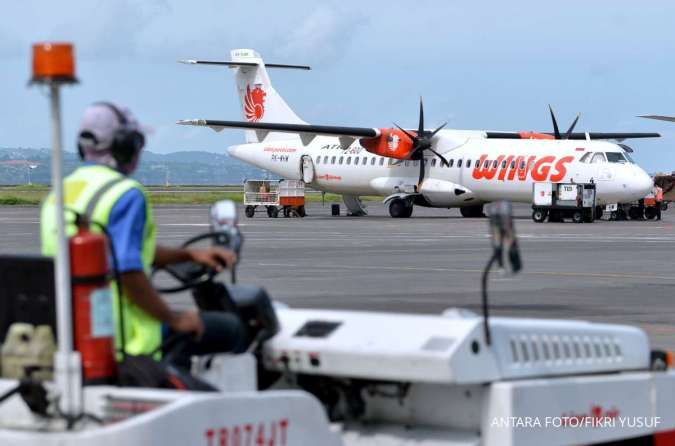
(191, 274)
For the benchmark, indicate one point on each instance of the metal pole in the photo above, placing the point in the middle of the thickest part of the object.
(68, 376)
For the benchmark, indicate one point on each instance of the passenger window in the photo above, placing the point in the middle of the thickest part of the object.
(356, 161)
(459, 163)
(381, 161)
(325, 159)
(318, 159)
(494, 164)
(468, 163)
(391, 161)
(342, 159)
(452, 161)
(415, 163)
(598, 157)
(486, 164)
(365, 160)
(332, 160)
(433, 162)
(349, 160)
(504, 164)
(513, 165)
(372, 161)
(522, 165)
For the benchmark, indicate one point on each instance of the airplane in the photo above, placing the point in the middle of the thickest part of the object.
(421, 167)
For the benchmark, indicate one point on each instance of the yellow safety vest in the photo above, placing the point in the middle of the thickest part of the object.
(103, 186)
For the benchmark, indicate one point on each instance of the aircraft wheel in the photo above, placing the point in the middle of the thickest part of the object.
(472, 211)
(301, 211)
(272, 212)
(621, 214)
(249, 211)
(578, 217)
(650, 213)
(286, 211)
(664, 206)
(634, 213)
(539, 215)
(398, 208)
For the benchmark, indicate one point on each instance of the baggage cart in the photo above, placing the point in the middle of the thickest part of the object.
(559, 201)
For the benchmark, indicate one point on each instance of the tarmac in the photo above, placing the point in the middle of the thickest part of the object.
(617, 272)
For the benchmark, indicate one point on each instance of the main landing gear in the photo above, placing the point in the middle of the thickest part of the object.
(475, 211)
(400, 208)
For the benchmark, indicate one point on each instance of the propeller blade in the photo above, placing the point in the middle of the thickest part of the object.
(421, 124)
(443, 160)
(569, 131)
(438, 129)
(556, 131)
(409, 135)
(421, 178)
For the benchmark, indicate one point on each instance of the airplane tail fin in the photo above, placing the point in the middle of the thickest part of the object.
(260, 102)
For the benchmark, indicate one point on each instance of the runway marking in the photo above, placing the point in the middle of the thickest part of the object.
(602, 275)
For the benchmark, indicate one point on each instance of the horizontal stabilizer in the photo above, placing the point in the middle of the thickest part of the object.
(659, 117)
(232, 64)
(300, 129)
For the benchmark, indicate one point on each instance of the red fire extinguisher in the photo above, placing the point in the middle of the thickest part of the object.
(94, 333)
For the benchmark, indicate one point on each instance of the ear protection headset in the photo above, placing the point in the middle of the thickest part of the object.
(126, 142)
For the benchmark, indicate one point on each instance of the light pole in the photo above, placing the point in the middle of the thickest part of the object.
(30, 167)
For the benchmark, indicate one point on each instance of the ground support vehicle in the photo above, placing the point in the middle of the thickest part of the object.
(285, 196)
(558, 201)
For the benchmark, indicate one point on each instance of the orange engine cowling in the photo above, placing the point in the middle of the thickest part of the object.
(92, 305)
(391, 143)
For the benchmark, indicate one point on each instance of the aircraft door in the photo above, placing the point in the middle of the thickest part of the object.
(307, 168)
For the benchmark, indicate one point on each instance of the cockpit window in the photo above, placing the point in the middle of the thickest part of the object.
(586, 158)
(629, 158)
(598, 157)
(616, 157)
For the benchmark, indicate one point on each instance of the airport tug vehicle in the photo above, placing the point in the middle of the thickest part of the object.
(558, 201)
(285, 196)
(333, 377)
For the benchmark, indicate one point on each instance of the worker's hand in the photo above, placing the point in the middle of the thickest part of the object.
(215, 257)
(187, 322)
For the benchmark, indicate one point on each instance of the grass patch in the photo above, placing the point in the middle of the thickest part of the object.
(34, 194)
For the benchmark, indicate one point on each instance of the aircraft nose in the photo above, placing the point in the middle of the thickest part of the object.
(642, 182)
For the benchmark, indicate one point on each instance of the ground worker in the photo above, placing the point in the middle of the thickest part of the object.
(110, 141)
(658, 194)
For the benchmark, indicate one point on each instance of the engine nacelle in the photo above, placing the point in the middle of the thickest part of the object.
(392, 143)
(445, 193)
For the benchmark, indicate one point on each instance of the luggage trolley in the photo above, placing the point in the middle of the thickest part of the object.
(287, 196)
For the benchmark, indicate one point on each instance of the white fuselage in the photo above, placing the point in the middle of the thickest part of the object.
(481, 170)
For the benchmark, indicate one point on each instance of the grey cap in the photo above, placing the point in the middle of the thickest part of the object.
(101, 121)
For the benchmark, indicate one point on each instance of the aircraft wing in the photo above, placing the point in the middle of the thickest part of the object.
(659, 117)
(307, 132)
(577, 135)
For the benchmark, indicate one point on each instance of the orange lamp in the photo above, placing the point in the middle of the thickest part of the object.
(53, 63)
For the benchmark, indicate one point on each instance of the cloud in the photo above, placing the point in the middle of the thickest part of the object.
(322, 36)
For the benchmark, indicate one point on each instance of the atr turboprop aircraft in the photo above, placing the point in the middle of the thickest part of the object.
(421, 167)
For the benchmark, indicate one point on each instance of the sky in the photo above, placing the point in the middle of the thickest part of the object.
(478, 64)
